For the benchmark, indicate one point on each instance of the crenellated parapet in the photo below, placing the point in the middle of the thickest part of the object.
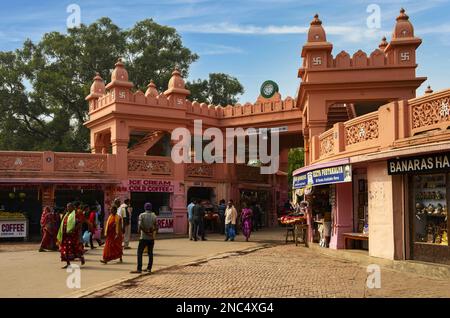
(399, 52)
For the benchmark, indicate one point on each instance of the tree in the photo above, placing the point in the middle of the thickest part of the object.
(296, 159)
(43, 85)
(219, 89)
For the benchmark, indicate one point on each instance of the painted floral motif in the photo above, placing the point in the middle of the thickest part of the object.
(199, 170)
(85, 164)
(431, 113)
(150, 166)
(27, 163)
(362, 132)
(326, 146)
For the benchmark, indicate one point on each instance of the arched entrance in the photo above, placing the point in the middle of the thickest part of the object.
(201, 193)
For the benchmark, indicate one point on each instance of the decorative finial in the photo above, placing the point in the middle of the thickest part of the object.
(316, 20)
(151, 90)
(383, 44)
(428, 90)
(403, 15)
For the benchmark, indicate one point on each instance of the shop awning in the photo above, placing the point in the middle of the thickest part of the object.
(321, 165)
(331, 172)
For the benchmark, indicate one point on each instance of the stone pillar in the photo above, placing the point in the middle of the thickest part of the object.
(381, 211)
(342, 214)
(179, 205)
(48, 195)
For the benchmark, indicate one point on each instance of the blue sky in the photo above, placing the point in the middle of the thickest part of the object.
(253, 40)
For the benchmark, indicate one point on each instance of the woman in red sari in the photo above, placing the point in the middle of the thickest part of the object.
(113, 233)
(49, 225)
(69, 236)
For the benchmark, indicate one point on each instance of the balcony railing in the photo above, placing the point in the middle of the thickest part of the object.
(361, 129)
(201, 170)
(80, 162)
(392, 125)
(149, 165)
(21, 161)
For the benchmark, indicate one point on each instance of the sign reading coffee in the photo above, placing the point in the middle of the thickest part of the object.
(13, 228)
(429, 163)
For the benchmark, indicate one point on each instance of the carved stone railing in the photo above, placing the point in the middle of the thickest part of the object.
(431, 112)
(361, 129)
(21, 161)
(326, 143)
(80, 162)
(202, 170)
(149, 165)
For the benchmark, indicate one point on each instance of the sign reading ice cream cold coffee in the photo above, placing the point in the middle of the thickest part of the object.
(146, 185)
(429, 163)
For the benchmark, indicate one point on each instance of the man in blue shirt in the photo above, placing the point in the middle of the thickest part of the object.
(190, 208)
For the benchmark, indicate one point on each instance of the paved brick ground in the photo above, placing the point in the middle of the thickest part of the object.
(280, 271)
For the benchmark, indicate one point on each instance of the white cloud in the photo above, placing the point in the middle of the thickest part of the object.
(212, 49)
(349, 33)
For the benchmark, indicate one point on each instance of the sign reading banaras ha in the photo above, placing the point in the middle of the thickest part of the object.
(428, 163)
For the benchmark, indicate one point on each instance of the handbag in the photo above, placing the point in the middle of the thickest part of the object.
(97, 234)
(86, 237)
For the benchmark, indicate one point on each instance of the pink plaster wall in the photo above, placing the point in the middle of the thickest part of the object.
(343, 214)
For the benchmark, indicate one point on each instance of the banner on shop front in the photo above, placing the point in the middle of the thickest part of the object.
(13, 229)
(146, 185)
(330, 175)
(165, 224)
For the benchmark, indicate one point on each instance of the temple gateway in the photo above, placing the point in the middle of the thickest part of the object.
(355, 115)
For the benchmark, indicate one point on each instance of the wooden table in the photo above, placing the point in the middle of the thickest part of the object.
(298, 230)
(355, 237)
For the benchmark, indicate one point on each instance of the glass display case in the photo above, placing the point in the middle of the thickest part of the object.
(430, 209)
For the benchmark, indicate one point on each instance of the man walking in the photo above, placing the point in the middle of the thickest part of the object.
(190, 209)
(198, 213)
(230, 221)
(125, 213)
(147, 228)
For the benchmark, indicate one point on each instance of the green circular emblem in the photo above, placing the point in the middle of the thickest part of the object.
(268, 89)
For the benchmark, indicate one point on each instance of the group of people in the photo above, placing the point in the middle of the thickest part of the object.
(250, 219)
(78, 222)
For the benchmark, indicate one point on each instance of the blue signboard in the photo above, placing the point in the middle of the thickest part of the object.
(336, 174)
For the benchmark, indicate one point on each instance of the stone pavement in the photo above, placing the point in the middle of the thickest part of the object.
(28, 273)
(280, 271)
(263, 267)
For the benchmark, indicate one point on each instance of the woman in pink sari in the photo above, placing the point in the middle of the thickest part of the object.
(246, 218)
(114, 237)
(49, 226)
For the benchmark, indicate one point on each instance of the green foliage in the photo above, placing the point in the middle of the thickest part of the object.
(296, 159)
(43, 85)
(219, 89)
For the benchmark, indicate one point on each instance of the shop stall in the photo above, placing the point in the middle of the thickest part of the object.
(427, 181)
(318, 185)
